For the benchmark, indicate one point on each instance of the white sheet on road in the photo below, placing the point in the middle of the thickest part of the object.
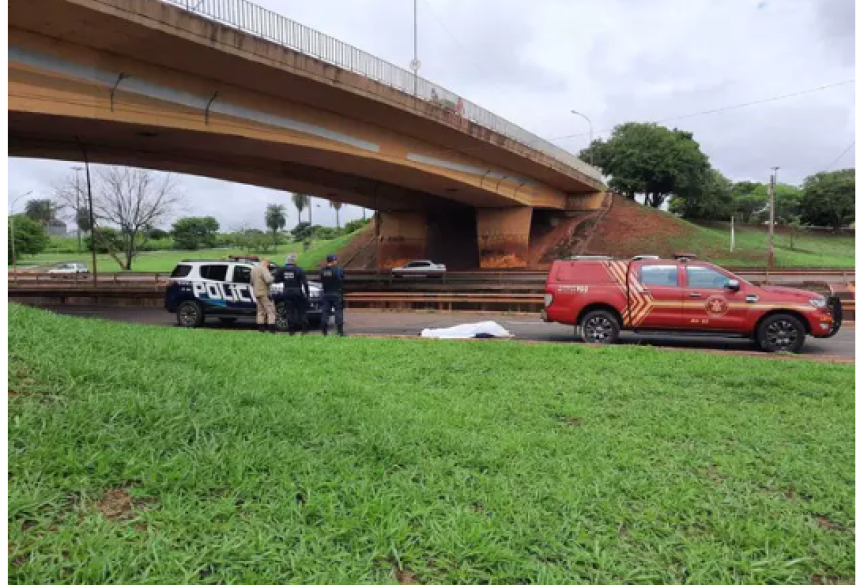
(468, 331)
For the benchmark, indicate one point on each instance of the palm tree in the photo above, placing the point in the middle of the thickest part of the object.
(300, 201)
(41, 210)
(276, 219)
(337, 205)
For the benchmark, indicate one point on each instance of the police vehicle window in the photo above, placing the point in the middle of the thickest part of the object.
(658, 275)
(703, 277)
(214, 272)
(242, 274)
(180, 271)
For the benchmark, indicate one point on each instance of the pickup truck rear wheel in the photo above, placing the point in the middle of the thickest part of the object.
(600, 327)
(780, 332)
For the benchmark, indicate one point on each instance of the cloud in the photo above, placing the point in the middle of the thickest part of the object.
(615, 61)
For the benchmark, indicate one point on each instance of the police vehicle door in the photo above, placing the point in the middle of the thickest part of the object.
(240, 277)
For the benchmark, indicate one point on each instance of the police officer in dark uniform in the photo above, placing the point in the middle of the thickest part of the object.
(296, 294)
(331, 277)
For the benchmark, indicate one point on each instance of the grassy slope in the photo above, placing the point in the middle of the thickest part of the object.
(630, 229)
(261, 459)
(164, 261)
(810, 250)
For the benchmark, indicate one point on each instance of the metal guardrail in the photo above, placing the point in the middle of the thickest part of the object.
(369, 278)
(396, 300)
(265, 24)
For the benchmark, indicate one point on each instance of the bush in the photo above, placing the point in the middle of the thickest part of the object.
(30, 237)
(355, 225)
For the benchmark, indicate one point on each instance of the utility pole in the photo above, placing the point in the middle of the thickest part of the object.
(772, 197)
(78, 205)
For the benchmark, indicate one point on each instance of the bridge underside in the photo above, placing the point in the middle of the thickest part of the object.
(169, 101)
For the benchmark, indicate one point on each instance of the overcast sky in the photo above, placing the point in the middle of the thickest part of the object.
(614, 60)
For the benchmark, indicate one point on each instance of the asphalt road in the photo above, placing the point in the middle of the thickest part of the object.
(528, 327)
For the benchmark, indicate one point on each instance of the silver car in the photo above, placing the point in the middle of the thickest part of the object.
(68, 270)
(419, 269)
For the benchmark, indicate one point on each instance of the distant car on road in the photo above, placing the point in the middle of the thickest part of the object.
(419, 269)
(68, 270)
(198, 289)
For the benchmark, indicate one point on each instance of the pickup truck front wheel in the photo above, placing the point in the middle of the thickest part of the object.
(600, 327)
(780, 332)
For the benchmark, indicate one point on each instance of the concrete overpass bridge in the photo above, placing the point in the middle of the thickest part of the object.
(229, 90)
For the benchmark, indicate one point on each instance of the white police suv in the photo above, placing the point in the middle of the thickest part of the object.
(198, 289)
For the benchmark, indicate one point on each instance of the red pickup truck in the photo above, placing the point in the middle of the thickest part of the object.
(603, 295)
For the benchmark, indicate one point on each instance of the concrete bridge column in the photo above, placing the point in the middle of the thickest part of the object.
(503, 236)
(401, 237)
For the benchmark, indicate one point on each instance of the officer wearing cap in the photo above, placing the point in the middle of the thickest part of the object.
(296, 294)
(331, 277)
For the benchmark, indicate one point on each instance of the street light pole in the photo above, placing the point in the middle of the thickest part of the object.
(78, 205)
(590, 135)
(772, 206)
(12, 229)
(415, 64)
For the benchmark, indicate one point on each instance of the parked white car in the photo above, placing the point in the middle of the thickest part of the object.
(68, 269)
(419, 269)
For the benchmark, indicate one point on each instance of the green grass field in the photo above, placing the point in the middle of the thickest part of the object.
(160, 455)
(751, 245)
(165, 260)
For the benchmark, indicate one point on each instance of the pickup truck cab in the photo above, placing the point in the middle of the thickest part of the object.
(603, 296)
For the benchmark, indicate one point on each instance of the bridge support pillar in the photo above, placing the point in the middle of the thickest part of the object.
(503, 236)
(401, 236)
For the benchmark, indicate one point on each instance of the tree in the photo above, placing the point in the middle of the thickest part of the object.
(276, 219)
(192, 233)
(301, 201)
(30, 236)
(254, 240)
(107, 240)
(787, 199)
(133, 200)
(337, 205)
(40, 210)
(828, 199)
(651, 160)
(749, 200)
(70, 197)
(711, 200)
(157, 234)
(302, 231)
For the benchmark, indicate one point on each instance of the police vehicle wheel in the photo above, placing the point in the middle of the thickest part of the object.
(282, 323)
(600, 327)
(227, 320)
(781, 332)
(189, 314)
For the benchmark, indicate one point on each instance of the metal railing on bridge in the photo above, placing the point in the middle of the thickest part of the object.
(271, 26)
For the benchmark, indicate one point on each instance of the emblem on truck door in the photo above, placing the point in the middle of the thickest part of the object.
(573, 289)
(716, 305)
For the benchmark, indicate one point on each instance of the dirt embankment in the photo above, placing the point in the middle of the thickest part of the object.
(629, 229)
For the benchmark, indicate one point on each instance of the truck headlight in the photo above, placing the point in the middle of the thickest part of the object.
(818, 303)
(547, 300)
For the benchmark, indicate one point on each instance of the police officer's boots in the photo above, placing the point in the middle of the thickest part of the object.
(340, 330)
